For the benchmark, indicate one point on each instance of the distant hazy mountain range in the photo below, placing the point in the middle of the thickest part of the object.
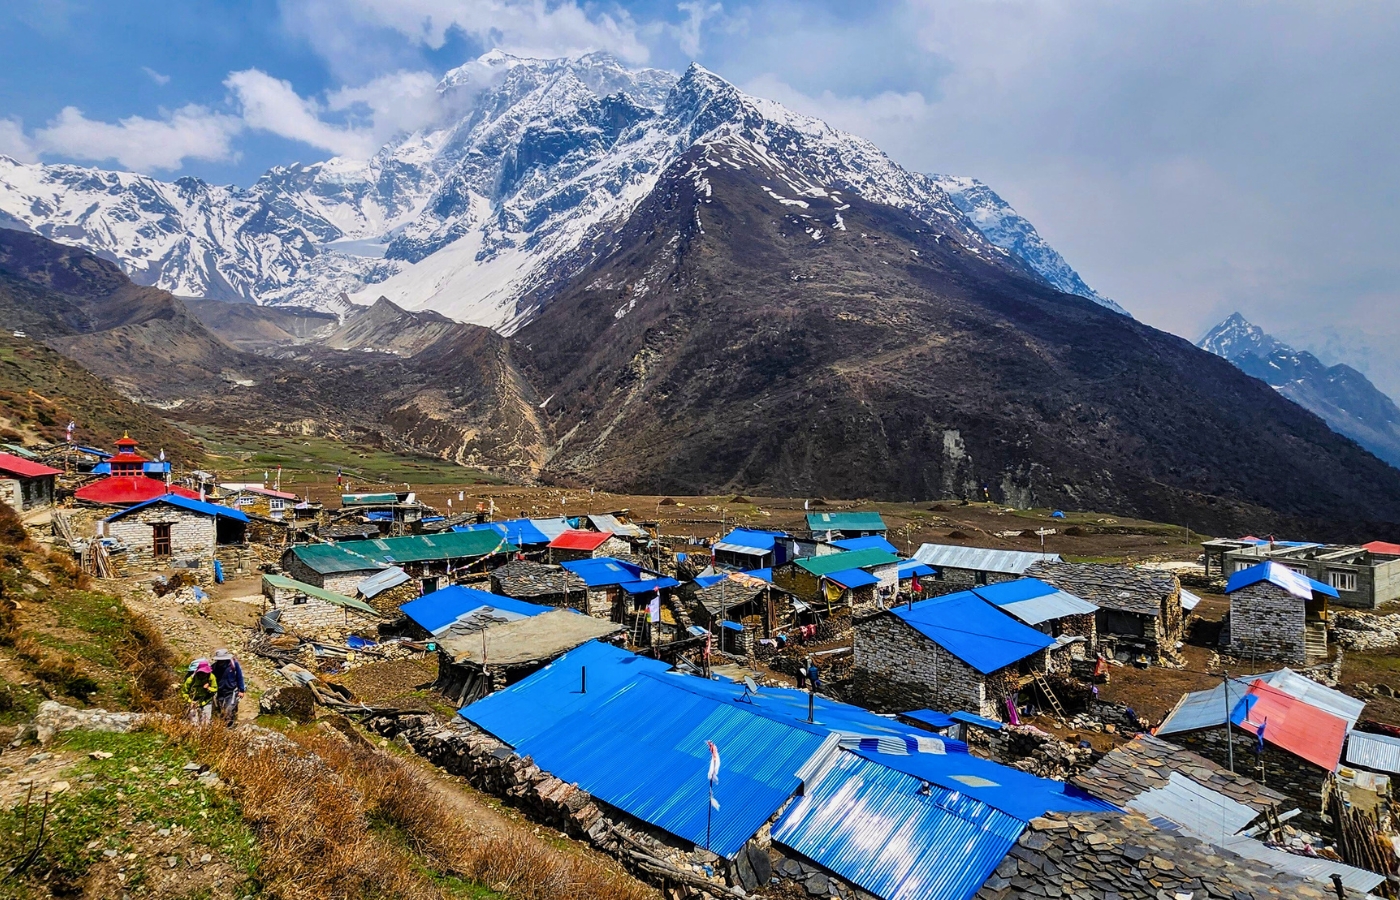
(1340, 395)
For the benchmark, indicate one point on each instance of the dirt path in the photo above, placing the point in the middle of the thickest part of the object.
(197, 630)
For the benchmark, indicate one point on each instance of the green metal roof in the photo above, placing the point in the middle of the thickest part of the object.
(845, 521)
(311, 590)
(851, 559)
(333, 559)
(429, 547)
(368, 499)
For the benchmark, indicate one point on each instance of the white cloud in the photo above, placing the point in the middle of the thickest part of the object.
(687, 33)
(522, 27)
(14, 143)
(138, 143)
(371, 113)
(155, 76)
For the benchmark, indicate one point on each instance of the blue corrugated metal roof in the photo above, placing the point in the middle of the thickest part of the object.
(930, 717)
(753, 539)
(869, 542)
(440, 609)
(604, 571)
(913, 568)
(708, 580)
(517, 531)
(551, 528)
(646, 586)
(853, 578)
(584, 677)
(968, 718)
(1296, 583)
(199, 506)
(883, 831)
(1012, 791)
(973, 630)
(1033, 601)
(643, 750)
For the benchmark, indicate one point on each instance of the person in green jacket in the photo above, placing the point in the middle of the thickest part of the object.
(199, 690)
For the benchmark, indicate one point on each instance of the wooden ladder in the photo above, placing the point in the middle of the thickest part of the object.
(1044, 686)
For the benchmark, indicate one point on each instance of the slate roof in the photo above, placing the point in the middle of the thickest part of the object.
(1118, 588)
(729, 593)
(1125, 856)
(1145, 764)
(524, 578)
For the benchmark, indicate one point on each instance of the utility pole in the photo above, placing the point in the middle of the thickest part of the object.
(1229, 735)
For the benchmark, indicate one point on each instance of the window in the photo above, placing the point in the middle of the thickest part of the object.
(1301, 570)
(160, 539)
(1342, 581)
(1241, 565)
(277, 504)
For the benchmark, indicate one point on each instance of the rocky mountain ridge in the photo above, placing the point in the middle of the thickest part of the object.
(483, 214)
(1343, 397)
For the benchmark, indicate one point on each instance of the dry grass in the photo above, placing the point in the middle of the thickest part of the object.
(338, 819)
(151, 663)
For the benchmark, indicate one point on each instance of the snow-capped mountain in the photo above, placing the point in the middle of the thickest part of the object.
(531, 166)
(1341, 396)
(1007, 229)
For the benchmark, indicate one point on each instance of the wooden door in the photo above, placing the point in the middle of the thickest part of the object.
(160, 539)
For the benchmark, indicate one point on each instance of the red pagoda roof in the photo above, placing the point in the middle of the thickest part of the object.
(123, 490)
(575, 539)
(24, 468)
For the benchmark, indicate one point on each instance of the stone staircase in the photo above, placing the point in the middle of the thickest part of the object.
(1315, 640)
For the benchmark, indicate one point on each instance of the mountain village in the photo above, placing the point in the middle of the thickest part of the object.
(741, 709)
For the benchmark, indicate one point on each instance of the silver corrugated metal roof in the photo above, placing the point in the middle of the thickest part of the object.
(380, 582)
(1311, 868)
(551, 528)
(893, 834)
(1374, 751)
(1047, 607)
(612, 525)
(721, 546)
(1201, 812)
(1207, 709)
(981, 559)
(1324, 698)
(1189, 601)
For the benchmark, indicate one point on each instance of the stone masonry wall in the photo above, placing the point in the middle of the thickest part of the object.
(895, 666)
(190, 533)
(1267, 622)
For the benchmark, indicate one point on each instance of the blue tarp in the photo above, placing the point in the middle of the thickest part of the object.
(853, 578)
(968, 718)
(604, 571)
(199, 506)
(1278, 574)
(761, 574)
(889, 834)
(973, 630)
(753, 538)
(708, 580)
(441, 608)
(522, 532)
(377, 515)
(869, 542)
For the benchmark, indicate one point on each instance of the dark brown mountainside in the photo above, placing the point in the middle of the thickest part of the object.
(742, 336)
(255, 328)
(142, 338)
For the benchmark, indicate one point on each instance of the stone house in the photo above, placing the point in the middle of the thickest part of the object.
(387, 590)
(1364, 577)
(330, 566)
(619, 590)
(1277, 614)
(172, 527)
(955, 652)
(840, 582)
(25, 484)
(316, 612)
(836, 525)
(746, 549)
(437, 560)
(959, 568)
(576, 544)
(1070, 620)
(1139, 609)
(263, 501)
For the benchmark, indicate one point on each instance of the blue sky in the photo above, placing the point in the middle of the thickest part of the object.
(1189, 158)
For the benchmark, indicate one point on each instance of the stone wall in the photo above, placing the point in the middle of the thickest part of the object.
(897, 668)
(11, 495)
(1267, 622)
(1300, 781)
(311, 616)
(340, 582)
(1362, 632)
(191, 533)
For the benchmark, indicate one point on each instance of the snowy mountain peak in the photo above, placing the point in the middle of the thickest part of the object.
(1236, 337)
(530, 163)
(1007, 229)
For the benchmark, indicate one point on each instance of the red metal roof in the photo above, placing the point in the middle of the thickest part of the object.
(574, 539)
(123, 490)
(267, 492)
(18, 465)
(1289, 723)
(1382, 547)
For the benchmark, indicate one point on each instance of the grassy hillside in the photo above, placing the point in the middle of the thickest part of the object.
(41, 391)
